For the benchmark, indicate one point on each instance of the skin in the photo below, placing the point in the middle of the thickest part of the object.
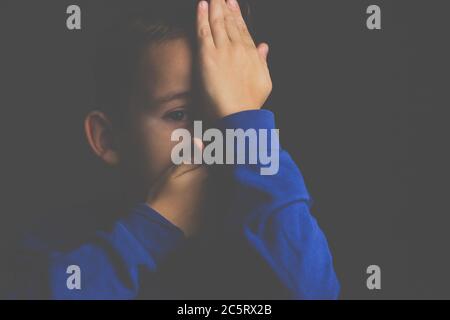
(233, 77)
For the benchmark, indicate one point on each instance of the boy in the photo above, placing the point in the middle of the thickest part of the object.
(184, 231)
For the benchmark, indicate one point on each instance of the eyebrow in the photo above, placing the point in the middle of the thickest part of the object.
(173, 96)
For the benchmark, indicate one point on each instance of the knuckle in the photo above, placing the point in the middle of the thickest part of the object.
(240, 50)
(229, 19)
(242, 26)
(204, 32)
(238, 47)
(217, 22)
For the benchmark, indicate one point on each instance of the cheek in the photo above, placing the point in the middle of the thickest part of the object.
(157, 146)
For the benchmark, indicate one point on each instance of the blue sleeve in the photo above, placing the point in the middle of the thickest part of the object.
(110, 264)
(276, 219)
(277, 224)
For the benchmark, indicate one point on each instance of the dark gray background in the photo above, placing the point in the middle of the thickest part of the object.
(364, 114)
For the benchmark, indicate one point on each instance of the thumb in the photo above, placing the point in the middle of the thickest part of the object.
(263, 50)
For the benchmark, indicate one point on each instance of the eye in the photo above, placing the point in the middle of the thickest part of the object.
(177, 115)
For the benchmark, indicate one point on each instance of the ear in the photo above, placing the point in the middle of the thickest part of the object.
(99, 133)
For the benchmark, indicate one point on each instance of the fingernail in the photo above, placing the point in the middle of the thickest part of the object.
(203, 4)
(233, 3)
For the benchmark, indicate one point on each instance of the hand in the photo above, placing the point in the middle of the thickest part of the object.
(178, 196)
(233, 70)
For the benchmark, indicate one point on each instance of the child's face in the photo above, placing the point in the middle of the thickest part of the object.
(163, 102)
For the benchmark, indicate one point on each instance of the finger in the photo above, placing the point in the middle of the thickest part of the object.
(198, 146)
(231, 24)
(263, 51)
(203, 28)
(198, 143)
(217, 23)
(194, 161)
(242, 26)
(191, 165)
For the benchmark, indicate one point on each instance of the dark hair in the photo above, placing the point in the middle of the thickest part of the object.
(120, 46)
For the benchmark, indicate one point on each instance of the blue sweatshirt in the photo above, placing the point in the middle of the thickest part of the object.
(268, 222)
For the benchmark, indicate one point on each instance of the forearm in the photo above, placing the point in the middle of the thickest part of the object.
(273, 212)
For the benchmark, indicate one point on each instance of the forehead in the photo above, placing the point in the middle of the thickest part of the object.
(167, 67)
